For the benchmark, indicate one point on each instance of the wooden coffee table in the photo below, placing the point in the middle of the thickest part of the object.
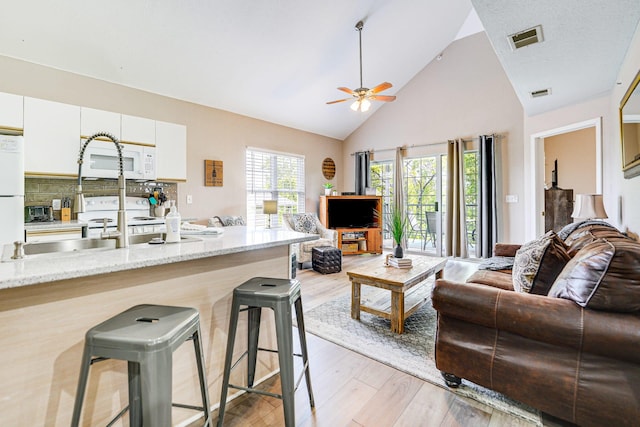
(396, 280)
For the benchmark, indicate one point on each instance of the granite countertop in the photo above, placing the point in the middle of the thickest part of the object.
(54, 225)
(44, 268)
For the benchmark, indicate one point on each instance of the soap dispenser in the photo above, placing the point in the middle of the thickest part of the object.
(172, 221)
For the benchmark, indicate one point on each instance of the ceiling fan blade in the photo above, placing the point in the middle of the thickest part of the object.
(339, 100)
(346, 89)
(381, 87)
(384, 98)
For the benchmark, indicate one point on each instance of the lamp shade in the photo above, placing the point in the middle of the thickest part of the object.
(270, 207)
(589, 206)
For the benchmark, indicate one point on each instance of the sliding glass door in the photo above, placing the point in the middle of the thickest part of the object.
(425, 200)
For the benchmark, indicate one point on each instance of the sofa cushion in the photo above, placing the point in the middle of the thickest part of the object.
(305, 223)
(538, 263)
(603, 275)
(497, 279)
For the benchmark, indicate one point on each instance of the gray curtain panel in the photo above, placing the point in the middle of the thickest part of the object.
(487, 235)
(363, 177)
(456, 234)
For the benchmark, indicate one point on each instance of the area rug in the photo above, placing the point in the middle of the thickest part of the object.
(411, 352)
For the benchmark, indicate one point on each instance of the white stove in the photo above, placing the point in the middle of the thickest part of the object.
(105, 208)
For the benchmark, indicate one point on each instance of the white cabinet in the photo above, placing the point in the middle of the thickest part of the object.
(171, 151)
(11, 109)
(51, 138)
(138, 130)
(93, 121)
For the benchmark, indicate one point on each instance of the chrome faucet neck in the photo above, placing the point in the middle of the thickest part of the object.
(121, 236)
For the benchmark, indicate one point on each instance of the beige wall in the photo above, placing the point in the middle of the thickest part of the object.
(576, 156)
(620, 195)
(211, 134)
(463, 95)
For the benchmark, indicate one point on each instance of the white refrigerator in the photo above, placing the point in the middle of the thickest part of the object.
(11, 189)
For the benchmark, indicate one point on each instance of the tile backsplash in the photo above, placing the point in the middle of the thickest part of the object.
(42, 191)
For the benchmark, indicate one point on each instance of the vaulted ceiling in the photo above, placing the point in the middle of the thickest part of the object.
(282, 60)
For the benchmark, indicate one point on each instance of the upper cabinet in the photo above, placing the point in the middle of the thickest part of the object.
(51, 138)
(93, 121)
(171, 149)
(11, 112)
(138, 130)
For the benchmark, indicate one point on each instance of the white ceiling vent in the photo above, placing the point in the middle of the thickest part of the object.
(526, 37)
(541, 92)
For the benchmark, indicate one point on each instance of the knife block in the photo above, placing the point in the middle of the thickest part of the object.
(65, 214)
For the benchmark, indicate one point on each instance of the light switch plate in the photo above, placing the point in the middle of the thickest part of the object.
(511, 198)
(189, 199)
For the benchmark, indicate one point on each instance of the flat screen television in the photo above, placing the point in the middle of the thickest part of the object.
(352, 213)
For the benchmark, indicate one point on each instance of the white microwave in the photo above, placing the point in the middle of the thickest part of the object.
(101, 161)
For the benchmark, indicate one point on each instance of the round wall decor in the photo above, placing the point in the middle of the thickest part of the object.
(328, 168)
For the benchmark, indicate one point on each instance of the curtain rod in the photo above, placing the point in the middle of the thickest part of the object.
(421, 145)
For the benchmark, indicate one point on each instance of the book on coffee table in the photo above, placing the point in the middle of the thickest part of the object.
(400, 262)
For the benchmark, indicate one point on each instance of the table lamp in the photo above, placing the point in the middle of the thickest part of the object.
(589, 206)
(269, 207)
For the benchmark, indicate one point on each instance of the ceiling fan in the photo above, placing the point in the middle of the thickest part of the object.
(364, 95)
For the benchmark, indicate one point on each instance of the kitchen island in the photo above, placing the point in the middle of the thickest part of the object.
(48, 302)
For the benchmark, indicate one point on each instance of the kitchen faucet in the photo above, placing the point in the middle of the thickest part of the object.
(121, 235)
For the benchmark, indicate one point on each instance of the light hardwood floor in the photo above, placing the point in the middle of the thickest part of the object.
(353, 390)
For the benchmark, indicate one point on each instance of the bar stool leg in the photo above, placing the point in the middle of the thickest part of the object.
(284, 333)
(252, 344)
(204, 389)
(231, 337)
(156, 380)
(135, 388)
(303, 348)
(82, 386)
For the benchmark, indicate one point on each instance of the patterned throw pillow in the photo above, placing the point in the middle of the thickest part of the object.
(229, 220)
(305, 223)
(538, 263)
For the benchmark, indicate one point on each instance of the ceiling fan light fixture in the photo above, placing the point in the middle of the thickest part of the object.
(363, 95)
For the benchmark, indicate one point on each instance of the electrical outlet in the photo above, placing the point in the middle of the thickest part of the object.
(189, 199)
(56, 204)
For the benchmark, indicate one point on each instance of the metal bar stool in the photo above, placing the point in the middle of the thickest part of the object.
(146, 336)
(279, 295)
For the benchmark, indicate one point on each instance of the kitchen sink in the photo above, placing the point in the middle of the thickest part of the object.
(94, 243)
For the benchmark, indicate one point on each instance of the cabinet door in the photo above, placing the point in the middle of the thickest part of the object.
(11, 109)
(138, 130)
(51, 138)
(171, 151)
(93, 121)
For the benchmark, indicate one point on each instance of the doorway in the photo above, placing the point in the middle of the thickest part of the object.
(534, 213)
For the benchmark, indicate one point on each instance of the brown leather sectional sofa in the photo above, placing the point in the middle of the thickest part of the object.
(571, 350)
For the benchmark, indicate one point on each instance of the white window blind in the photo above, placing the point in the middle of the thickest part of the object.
(273, 176)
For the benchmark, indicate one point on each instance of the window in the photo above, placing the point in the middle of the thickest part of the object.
(273, 176)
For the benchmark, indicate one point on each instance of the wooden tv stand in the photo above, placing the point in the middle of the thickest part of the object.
(353, 240)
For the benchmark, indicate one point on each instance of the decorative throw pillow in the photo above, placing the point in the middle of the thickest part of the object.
(229, 220)
(305, 223)
(538, 263)
(603, 275)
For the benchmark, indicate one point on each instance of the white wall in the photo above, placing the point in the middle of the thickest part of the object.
(625, 193)
(463, 95)
(211, 134)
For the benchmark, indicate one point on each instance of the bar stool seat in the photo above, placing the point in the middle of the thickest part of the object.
(279, 295)
(146, 336)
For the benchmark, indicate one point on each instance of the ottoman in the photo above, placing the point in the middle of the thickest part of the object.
(326, 259)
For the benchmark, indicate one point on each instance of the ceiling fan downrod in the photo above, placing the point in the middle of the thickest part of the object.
(359, 26)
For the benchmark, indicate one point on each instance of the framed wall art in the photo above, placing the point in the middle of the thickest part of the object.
(213, 173)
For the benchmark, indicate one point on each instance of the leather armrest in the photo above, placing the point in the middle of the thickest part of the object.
(555, 321)
(505, 249)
